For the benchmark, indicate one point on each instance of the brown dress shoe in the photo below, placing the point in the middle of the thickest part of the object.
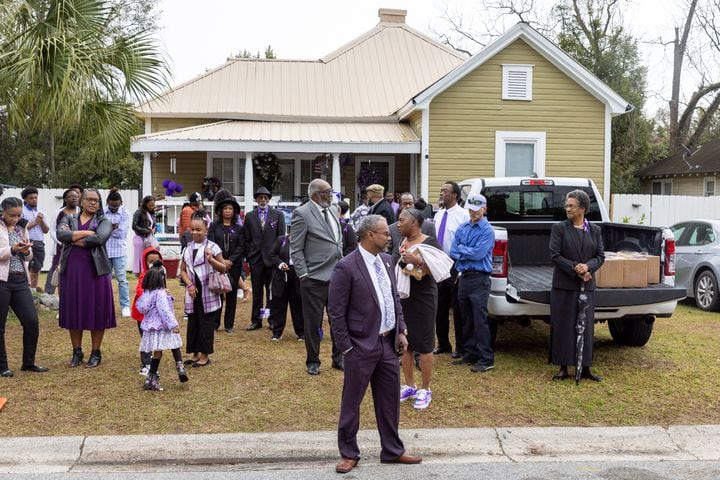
(345, 465)
(404, 459)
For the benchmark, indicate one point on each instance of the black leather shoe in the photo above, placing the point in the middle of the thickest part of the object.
(456, 355)
(34, 368)
(313, 369)
(339, 366)
(7, 373)
(77, 358)
(561, 376)
(586, 373)
(463, 361)
(94, 360)
(254, 326)
(440, 351)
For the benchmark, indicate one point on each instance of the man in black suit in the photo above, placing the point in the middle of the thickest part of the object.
(369, 329)
(262, 226)
(285, 289)
(378, 204)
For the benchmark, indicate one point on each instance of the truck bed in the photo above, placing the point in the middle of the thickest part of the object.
(532, 283)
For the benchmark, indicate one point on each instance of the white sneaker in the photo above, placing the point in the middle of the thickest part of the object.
(423, 399)
(145, 370)
(406, 391)
(126, 312)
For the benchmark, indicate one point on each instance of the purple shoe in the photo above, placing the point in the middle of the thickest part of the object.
(406, 391)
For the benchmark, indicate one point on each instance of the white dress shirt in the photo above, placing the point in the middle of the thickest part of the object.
(456, 217)
(369, 259)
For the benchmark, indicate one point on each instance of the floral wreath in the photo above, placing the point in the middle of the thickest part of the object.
(267, 170)
(368, 175)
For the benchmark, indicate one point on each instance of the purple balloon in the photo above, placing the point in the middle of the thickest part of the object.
(171, 186)
(165, 183)
(178, 187)
(169, 192)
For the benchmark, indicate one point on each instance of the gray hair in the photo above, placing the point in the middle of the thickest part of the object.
(315, 186)
(367, 223)
(582, 198)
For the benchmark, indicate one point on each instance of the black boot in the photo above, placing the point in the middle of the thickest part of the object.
(182, 374)
(586, 373)
(94, 360)
(77, 357)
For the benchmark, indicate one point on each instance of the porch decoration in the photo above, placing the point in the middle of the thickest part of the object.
(171, 188)
(322, 165)
(368, 175)
(267, 171)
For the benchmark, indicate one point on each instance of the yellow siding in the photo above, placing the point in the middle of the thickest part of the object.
(165, 124)
(465, 117)
(190, 167)
(415, 122)
(686, 185)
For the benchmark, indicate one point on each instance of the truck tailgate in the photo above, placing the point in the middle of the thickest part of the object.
(533, 283)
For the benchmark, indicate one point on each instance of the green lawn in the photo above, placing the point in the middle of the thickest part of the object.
(257, 385)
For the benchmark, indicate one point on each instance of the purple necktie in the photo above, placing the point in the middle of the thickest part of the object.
(441, 230)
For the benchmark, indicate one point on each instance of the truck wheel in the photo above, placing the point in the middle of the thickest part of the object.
(633, 332)
(706, 291)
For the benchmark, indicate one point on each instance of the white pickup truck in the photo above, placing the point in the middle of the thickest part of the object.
(522, 211)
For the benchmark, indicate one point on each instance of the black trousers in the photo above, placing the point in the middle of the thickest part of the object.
(201, 327)
(230, 304)
(447, 298)
(15, 294)
(260, 277)
(279, 307)
(314, 301)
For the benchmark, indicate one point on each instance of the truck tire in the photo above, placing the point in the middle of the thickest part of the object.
(633, 332)
(706, 291)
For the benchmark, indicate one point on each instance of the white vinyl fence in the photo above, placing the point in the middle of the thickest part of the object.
(50, 203)
(663, 210)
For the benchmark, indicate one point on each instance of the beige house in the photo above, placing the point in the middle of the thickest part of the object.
(392, 104)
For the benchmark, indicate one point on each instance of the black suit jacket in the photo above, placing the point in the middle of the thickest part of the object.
(259, 240)
(236, 245)
(279, 253)
(567, 249)
(384, 209)
(350, 240)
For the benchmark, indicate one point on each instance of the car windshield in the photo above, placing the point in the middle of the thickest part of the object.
(528, 203)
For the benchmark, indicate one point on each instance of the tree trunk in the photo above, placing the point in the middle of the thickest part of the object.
(679, 48)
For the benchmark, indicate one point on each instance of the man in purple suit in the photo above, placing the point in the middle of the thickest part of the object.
(369, 330)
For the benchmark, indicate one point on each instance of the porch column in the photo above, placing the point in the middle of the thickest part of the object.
(336, 177)
(146, 175)
(425, 154)
(147, 166)
(413, 175)
(248, 182)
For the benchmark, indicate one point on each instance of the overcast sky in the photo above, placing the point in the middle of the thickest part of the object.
(199, 35)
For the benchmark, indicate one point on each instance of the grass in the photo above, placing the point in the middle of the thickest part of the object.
(257, 385)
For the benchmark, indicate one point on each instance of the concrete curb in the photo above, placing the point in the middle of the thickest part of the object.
(476, 445)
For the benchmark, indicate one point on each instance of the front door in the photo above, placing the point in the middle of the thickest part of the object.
(371, 170)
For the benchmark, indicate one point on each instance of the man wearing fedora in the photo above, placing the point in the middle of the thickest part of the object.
(262, 226)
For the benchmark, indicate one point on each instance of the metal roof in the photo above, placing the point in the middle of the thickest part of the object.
(369, 78)
(230, 135)
(705, 160)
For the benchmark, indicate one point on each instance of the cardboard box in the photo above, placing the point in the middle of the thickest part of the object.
(635, 273)
(610, 274)
(653, 269)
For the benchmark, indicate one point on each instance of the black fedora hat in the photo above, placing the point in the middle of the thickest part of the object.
(262, 191)
(227, 201)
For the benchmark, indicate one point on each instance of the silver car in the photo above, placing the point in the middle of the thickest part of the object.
(697, 261)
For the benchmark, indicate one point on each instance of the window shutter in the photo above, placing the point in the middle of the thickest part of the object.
(517, 82)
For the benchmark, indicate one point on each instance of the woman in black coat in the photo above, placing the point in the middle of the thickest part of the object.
(576, 250)
(227, 232)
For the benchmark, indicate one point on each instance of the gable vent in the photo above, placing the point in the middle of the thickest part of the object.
(517, 82)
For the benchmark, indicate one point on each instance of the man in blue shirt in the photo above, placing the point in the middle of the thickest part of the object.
(472, 251)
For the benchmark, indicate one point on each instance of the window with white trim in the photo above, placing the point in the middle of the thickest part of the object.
(229, 169)
(662, 187)
(709, 188)
(223, 169)
(519, 154)
(517, 82)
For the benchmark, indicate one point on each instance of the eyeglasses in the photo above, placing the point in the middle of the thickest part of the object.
(329, 191)
(571, 207)
(92, 200)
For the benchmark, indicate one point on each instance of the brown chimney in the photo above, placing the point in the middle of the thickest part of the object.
(391, 15)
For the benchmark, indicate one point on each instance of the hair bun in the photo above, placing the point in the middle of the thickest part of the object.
(158, 264)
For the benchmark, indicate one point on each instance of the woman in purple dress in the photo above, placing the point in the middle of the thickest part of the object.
(86, 296)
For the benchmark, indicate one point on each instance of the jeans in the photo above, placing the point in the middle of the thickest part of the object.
(15, 295)
(473, 294)
(118, 265)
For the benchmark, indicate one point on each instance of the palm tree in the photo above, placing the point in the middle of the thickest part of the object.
(64, 69)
